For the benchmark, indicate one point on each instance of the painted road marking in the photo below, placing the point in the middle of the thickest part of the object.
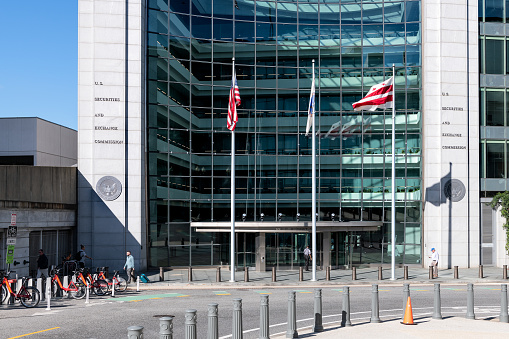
(145, 297)
(302, 291)
(418, 290)
(24, 335)
(221, 293)
(262, 292)
(337, 289)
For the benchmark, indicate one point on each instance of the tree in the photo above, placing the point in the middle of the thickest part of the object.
(501, 199)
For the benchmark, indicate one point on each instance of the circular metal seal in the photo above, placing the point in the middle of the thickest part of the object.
(109, 188)
(454, 190)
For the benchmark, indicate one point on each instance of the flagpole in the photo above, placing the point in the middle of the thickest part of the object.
(393, 180)
(232, 191)
(313, 189)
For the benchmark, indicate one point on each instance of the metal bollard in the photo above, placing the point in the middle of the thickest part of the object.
(292, 316)
(406, 294)
(39, 288)
(405, 272)
(380, 276)
(437, 303)
(318, 327)
(504, 318)
(301, 273)
(213, 329)
(48, 287)
(190, 324)
(135, 332)
(48, 297)
(264, 317)
(246, 274)
(66, 283)
(87, 295)
(470, 301)
(375, 318)
(273, 274)
(237, 331)
(430, 272)
(327, 273)
(137, 283)
(504, 272)
(166, 328)
(345, 314)
(161, 274)
(190, 274)
(456, 273)
(218, 274)
(481, 274)
(112, 288)
(354, 273)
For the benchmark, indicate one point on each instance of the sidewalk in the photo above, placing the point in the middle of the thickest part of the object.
(450, 327)
(206, 278)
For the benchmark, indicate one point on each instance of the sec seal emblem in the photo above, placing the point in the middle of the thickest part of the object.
(454, 190)
(109, 188)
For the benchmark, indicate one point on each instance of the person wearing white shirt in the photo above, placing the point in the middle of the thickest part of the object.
(307, 257)
(434, 262)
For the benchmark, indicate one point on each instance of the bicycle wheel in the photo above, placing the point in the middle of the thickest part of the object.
(120, 284)
(54, 289)
(4, 294)
(100, 287)
(29, 296)
(81, 292)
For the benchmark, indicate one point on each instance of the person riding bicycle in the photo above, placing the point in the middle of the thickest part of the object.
(83, 255)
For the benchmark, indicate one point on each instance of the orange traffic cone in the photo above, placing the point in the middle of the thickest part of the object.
(408, 319)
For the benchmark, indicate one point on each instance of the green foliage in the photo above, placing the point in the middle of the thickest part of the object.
(502, 199)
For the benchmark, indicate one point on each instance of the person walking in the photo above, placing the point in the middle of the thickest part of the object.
(42, 265)
(129, 267)
(307, 257)
(82, 255)
(434, 262)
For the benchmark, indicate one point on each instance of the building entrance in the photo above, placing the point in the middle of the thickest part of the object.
(286, 250)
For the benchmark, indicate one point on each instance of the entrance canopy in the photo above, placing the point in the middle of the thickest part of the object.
(287, 227)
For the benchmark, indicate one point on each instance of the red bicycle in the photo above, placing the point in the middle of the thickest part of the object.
(27, 295)
(78, 291)
(117, 281)
(98, 286)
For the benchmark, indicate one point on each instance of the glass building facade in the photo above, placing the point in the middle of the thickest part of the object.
(190, 46)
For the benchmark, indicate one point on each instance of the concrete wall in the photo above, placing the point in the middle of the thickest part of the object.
(451, 131)
(43, 198)
(49, 143)
(38, 184)
(111, 130)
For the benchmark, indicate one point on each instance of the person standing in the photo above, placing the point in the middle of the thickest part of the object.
(434, 262)
(42, 265)
(83, 255)
(307, 257)
(129, 267)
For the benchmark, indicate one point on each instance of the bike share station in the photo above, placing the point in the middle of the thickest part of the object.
(263, 245)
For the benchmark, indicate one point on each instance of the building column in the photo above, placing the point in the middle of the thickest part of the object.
(260, 252)
(326, 249)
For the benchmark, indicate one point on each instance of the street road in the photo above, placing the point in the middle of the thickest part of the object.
(108, 317)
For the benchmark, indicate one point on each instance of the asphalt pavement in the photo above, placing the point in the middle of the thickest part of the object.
(109, 317)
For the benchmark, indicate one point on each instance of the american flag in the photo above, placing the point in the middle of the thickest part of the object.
(233, 103)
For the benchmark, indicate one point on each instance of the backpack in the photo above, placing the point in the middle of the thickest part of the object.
(78, 255)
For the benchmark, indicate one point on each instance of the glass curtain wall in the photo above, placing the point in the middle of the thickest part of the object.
(494, 95)
(354, 44)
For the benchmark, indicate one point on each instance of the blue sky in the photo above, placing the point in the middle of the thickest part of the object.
(39, 60)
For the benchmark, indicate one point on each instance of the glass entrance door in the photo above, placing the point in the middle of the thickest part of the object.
(285, 250)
